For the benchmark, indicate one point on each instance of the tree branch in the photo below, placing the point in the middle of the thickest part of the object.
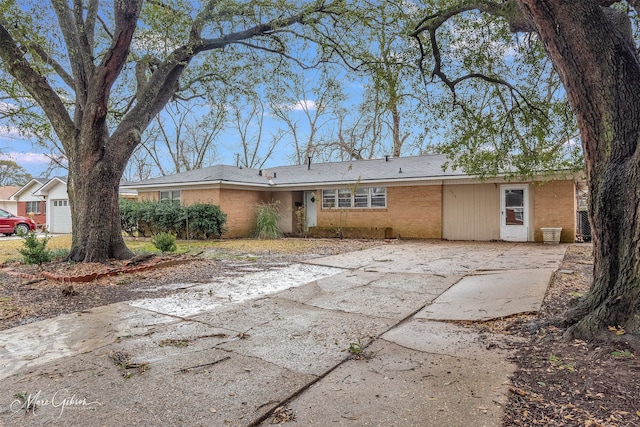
(509, 10)
(57, 67)
(37, 86)
(126, 20)
(74, 49)
(163, 82)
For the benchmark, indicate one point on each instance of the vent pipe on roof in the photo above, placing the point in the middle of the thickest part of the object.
(309, 163)
(386, 158)
(260, 172)
(400, 171)
(274, 175)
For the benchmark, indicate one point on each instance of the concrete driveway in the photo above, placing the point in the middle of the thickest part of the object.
(355, 339)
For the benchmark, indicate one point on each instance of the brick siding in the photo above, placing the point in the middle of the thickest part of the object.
(555, 206)
(412, 212)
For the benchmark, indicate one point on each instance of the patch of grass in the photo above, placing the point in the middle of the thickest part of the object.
(258, 246)
(561, 364)
(182, 246)
(61, 243)
(356, 347)
(622, 353)
(9, 248)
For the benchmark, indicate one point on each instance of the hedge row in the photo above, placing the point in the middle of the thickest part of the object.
(147, 218)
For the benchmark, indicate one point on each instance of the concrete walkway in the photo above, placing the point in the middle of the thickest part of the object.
(238, 352)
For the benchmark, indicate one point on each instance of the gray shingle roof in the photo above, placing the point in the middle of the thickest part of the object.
(389, 170)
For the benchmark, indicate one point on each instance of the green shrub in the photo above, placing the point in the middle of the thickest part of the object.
(205, 221)
(148, 218)
(267, 216)
(129, 214)
(35, 250)
(164, 242)
(169, 217)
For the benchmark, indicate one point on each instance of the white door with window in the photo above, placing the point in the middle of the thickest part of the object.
(310, 208)
(514, 213)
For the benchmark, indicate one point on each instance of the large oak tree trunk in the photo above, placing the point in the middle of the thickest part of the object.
(93, 187)
(96, 238)
(598, 64)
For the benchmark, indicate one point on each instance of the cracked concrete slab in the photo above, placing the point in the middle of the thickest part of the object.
(304, 338)
(398, 386)
(262, 340)
(198, 388)
(437, 257)
(445, 339)
(491, 295)
(48, 340)
(201, 298)
(397, 295)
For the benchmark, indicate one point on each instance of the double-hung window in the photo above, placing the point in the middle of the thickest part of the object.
(33, 207)
(170, 196)
(360, 197)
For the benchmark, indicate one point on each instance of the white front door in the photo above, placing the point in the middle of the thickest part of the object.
(310, 208)
(514, 213)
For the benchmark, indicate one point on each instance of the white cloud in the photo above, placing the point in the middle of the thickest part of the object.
(25, 158)
(5, 107)
(303, 105)
(12, 132)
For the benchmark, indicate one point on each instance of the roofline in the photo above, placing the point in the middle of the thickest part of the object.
(25, 186)
(47, 185)
(301, 185)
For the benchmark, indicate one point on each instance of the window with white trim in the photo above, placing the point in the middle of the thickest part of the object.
(361, 198)
(33, 207)
(170, 196)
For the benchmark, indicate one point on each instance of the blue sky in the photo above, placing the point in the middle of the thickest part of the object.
(21, 150)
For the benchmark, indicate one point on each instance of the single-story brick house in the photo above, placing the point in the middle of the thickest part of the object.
(406, 197)
(28, 204)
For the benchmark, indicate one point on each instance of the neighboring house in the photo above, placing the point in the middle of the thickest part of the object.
(6, 202)
(406, 197)
(28, 204)
(54, 193)
(48, 200)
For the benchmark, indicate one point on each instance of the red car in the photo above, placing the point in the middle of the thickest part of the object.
(10, 224)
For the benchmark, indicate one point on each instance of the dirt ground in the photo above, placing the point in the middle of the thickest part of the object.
(571, 383)
(559, 383)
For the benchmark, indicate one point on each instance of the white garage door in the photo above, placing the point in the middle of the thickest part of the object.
(60, 216)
